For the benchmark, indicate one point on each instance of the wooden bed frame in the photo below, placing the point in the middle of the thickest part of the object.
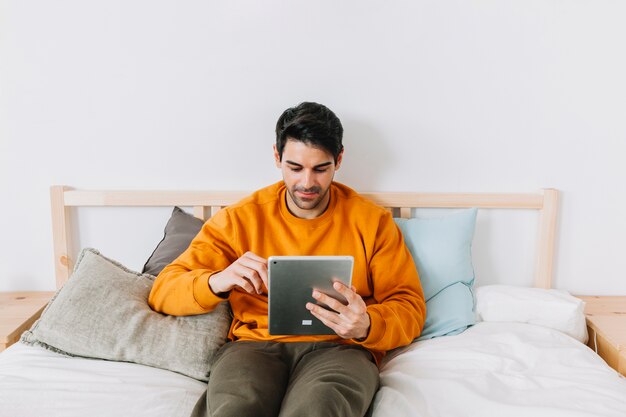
(207, 203)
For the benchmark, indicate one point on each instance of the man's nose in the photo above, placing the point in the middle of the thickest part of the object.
(308, 180)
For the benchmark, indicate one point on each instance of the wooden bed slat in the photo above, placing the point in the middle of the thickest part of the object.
(546, 239)
(205, 212)
(200, 212)
(61, 229)
(215, 209)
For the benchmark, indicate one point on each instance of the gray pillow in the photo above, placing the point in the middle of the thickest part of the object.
(180, 230)
(102, 312)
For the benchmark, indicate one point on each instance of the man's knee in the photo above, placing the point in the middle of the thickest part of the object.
(247, 379)
(340, 381)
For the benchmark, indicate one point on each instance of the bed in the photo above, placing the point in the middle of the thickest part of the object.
(520, 353)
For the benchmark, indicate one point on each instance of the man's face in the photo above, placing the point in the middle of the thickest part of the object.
(307, 172)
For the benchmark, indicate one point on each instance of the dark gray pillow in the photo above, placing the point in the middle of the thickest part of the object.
(102, 312)
(180, 230)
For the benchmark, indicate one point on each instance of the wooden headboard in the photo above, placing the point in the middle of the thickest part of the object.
(207, 203)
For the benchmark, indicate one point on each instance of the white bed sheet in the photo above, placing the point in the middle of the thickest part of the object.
(35, 382)
(499, 369)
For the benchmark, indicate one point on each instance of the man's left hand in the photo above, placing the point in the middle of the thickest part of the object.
(349, 321)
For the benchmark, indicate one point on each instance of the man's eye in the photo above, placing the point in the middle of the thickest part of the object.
(321, 170)
(296, 169)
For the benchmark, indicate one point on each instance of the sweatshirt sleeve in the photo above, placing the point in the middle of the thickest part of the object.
(398, 313)
(182, 287)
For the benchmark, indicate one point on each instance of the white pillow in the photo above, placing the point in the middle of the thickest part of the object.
(552, 308)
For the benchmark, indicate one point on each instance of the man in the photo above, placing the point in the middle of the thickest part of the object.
(305, 214)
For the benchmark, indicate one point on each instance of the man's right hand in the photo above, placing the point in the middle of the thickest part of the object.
(249, 272)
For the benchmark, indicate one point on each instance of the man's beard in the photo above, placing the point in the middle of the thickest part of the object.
(308, 204)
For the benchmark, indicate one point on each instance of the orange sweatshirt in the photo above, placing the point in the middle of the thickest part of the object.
(384, 273)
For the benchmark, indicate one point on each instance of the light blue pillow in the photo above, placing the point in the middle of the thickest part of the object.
(442, 251)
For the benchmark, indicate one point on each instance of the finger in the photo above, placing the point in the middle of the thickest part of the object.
(250, 275)
(356, 307)
(255, 257)
(245, 285)
(329, 318)
(252, 263)
(258, 264)
(350, 293)
(331, 302)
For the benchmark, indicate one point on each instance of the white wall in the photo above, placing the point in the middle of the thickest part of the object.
(500, 95)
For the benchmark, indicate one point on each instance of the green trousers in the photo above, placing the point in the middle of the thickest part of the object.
(269, 379)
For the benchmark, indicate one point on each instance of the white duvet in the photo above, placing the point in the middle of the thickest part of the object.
(492, 369)
(35, 382)
(499, 369)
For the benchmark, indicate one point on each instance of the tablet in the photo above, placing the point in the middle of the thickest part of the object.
(291, 283)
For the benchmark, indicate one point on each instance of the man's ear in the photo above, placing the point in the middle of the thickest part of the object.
(276, 156)
(339, 159)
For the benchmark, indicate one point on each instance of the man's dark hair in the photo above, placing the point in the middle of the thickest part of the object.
(313, 124)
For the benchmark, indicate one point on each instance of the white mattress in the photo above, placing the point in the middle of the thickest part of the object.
(492, 369)
(499, 369)
(35, 382)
